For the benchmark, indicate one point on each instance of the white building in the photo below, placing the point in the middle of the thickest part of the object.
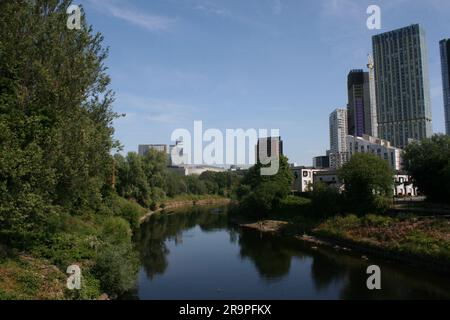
(404, 186)
(190, 170)
(382, 148)
(338, 134)
(303, 178)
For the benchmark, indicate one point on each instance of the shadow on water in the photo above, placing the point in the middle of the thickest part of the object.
(261, 266)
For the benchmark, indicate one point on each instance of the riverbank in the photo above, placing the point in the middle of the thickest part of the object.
(187, 201)
(422, 242)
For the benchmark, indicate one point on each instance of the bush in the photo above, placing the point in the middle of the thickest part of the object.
(428, 164)
(326, 201)
(369, 184)
(116, 262)
(129, 210)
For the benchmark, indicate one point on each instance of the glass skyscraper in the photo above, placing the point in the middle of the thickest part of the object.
(445, 63)
(402, 85)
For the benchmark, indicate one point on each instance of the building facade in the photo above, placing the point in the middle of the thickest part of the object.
(361, 104)
(379, 147)
(143, 149)
(338, 135)
(303, 178)
(402, 85)
(322, 162)
(445, 64)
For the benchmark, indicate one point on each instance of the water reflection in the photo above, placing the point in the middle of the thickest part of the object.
(198, 254)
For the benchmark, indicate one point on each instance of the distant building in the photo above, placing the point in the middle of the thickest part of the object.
(321, 162)
(176, 153)
(190, 170)
(402, 85)
(303, 178)
(328, 177)
(445, 64)
(338, 135)
(361, 119)
(271, 147)
(145, 148)
(403, 186)
(379, 147)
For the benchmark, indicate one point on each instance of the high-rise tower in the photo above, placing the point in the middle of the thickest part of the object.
(445, 63)
(402, 85)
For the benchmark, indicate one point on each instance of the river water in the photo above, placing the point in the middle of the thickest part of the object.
(198, 254)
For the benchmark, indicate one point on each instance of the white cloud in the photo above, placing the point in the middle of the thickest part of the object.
(155, 110)
(150, 22)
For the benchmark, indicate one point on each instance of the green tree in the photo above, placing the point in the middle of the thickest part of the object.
(260, 194)
(428, 163)
(55, 118)
(369, 183)
(326, 201)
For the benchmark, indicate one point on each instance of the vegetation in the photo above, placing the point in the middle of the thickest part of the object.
(148, 181)
(63, 198)
(260, 195)
(424, 238)
(428, 163)
(369, 183)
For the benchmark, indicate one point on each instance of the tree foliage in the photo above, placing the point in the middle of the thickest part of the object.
(148, 180)
(369, 183)
(55, 117)
(260, 194)
(428, 163)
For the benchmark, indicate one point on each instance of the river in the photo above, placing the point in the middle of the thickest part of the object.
(198, 254)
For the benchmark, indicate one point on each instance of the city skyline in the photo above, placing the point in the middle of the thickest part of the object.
(244, 86)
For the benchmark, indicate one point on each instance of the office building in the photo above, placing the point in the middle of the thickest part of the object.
(361, 111)
(445, 64)
(361, 108)
(145, 148)
(379, 147)
(402, 85)
(338, 135)
(322, 162)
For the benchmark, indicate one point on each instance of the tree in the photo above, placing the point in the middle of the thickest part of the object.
(55, 117)
(326, 201)
(369, 183)
(428, 163)
(262, 194)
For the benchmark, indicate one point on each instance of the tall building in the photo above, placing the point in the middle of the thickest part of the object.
(402, 85)
(144, 148)
(338, 134)
(445, 63)
(271, 147)
(360, 104)
(373, 118)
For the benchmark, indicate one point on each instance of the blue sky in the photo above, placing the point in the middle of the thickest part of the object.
(278, 64)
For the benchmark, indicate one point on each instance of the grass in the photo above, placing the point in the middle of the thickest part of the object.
(26, 278)
(92, 241)
(424, 238)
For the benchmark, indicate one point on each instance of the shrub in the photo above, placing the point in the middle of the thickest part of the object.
(326, 201)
